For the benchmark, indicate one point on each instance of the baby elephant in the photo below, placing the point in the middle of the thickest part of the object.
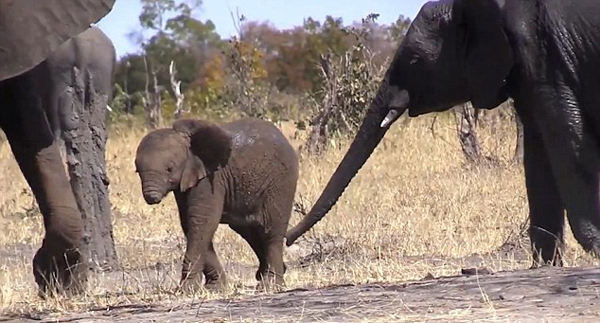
(242, 173)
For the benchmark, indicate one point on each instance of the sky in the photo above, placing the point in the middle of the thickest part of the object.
(282, 14)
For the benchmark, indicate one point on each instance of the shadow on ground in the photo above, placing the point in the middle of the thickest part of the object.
(548, 294)
(540, 295)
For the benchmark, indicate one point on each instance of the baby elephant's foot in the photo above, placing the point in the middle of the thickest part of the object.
(190, 286)
(216, 283)
(190, 283)
(270, 282)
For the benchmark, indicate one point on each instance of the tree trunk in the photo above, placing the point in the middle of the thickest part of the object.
(152, 101)
(467, 134)
(85, 149)
(176, 86)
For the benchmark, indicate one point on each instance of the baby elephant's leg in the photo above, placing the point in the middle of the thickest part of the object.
(276, 215)
(274, 275)
(213, 271)
(204, 208)
(199, 254)
(255, 237)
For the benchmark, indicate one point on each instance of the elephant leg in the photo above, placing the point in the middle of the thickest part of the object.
(252, 234)
(214, 274)
(204, 209)
(276, 213)
(199, 258)
(57, 264)
(574, 155)
(276, 269)
(182, 202)
(82, 115)
(546, 210)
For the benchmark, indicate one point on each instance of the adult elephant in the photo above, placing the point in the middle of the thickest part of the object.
(543, 54)
(29, 31)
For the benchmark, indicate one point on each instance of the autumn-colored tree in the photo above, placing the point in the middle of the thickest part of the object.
(247, 73)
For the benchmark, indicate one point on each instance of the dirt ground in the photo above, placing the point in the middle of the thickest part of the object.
(478, 295)
(541, 295)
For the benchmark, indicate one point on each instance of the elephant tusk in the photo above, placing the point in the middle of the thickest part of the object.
(108, 108)
(389, 118)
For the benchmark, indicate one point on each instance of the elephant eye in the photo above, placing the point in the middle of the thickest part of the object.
(170, 168)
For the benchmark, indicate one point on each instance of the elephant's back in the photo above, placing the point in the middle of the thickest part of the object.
(249, 134)
(262, 152)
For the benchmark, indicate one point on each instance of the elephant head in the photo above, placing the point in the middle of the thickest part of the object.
(177, 158)
(31, 29)
(455, 51)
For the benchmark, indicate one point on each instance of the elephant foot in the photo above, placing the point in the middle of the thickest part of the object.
(190, 285)
(539, 264)
(193, 283)
(218, 284)
(262, 270)
(59, 272)
(270, 282)
(539, 260)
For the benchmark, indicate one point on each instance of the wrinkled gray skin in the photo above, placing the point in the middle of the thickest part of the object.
(242, 173)
(543, 54)
(81, 72)
(29, 31)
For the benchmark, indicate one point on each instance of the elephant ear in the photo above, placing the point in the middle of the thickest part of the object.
(489, 56)
(193, 171)
(209, 142)
(31, 29)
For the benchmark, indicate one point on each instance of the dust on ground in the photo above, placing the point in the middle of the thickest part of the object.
(537, 295)
(478, 294)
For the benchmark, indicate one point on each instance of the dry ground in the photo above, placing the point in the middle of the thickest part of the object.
(414, 211)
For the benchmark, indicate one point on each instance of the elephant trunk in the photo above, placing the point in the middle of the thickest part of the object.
(153, 191)
(387, 106)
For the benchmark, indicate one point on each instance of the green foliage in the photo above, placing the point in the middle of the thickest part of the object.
(263, 72)
(154, 12)
(347, 85)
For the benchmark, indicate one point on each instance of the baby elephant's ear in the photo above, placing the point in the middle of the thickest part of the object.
(208, 141)
(193, 172)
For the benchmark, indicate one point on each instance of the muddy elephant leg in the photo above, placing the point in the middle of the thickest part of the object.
(81, 112)
(276, 213)
(252, 234)
(198, 255)
(214, 274)
(204, 209)
(273, 278)
(546, 210)
(212, 269)
(182, 206)
(57, 264)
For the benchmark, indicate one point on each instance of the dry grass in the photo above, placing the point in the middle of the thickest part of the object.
(413, 201)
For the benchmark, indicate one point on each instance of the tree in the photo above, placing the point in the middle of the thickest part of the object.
(169, 34)
(348, 82)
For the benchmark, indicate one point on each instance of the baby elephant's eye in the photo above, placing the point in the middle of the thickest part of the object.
(169, 168)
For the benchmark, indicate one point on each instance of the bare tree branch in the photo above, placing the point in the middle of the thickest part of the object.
(176, 86)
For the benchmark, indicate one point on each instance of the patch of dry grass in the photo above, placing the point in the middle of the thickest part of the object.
(412, 202)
